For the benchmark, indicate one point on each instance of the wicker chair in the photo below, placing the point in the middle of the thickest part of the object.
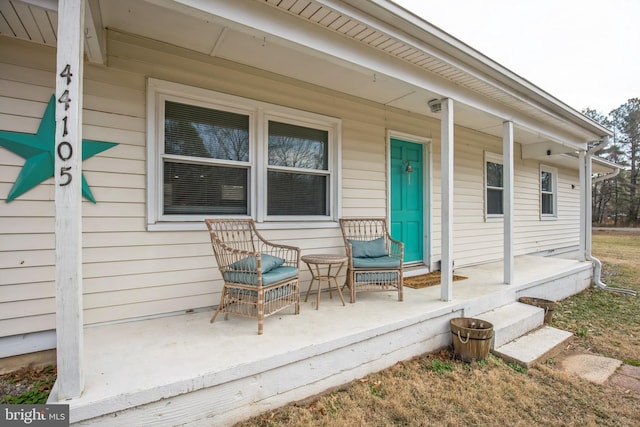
(260, 278)
(375, 259)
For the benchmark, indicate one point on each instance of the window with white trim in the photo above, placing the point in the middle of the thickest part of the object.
(298, 173)
(548, 191)
(494, 185)
(217, 155)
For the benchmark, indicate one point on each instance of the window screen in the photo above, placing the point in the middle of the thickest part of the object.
(547, 189)
(494, 188)
(294, 150)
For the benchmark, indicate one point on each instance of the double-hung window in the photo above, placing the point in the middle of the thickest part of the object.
(494, 187)
(298, 174)
(548, 191)
(205, 161)
(216, 155)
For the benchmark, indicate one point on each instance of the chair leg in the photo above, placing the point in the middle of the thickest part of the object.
(220, 306)
(260, 314)
(215, 314)
(352, 286)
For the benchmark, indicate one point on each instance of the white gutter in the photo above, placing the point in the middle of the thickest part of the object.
(597, 275)
(605, 177)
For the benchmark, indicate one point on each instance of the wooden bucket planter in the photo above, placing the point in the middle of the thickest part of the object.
(548, 306)
(471, 338)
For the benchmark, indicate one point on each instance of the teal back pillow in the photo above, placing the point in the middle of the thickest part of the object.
(269, 262)
(368, 248)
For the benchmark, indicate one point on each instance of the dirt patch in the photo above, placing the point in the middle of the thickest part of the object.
(27, 385)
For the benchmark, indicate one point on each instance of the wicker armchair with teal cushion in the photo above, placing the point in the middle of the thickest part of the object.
(260, 278)
(375, 259)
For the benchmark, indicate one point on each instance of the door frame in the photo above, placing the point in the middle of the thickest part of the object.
(427, 179)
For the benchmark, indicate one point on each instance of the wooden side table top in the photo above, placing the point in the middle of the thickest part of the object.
(324, 259)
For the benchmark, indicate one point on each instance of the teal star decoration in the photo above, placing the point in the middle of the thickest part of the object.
(39, 151)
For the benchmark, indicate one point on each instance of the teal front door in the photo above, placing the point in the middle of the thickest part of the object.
(407, 198)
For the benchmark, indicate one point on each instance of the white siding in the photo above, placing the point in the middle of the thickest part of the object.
(130, 272)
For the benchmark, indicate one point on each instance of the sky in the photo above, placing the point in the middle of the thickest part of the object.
(586, 53)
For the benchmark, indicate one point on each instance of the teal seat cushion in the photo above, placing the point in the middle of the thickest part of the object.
(278, 274)
(379, 262)
(368, 248)
(269, 262)
(273, 276)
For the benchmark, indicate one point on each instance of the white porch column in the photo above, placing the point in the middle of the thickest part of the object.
(68, 211)
(588, 202)
(584, 182)
(446, 260)
(507, 207)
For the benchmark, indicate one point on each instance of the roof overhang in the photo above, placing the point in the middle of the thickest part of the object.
(599, 166)
(374, 50)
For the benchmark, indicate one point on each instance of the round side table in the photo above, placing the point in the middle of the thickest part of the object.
(314, 262)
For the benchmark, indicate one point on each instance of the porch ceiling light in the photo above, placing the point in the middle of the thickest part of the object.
(435, 105)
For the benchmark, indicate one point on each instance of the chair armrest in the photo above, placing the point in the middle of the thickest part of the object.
(396, 248)
(349, 251)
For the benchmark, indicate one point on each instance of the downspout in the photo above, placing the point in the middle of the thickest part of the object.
(597, 274)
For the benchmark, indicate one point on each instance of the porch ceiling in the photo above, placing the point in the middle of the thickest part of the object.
(391, 66)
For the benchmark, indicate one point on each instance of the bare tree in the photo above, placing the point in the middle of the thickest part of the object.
(626, 121)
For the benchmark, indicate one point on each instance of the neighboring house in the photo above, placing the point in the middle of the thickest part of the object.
(291, 112)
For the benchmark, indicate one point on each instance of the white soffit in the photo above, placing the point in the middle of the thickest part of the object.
(35, 21)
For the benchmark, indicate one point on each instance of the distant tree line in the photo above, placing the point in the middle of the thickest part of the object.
(617, 201)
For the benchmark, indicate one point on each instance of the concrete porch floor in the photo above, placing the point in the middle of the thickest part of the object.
(133, 370)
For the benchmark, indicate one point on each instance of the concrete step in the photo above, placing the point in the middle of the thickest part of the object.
(535, 346)
(512, 321)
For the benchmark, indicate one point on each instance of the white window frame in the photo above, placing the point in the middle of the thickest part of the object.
(493, 158)
(159, 91)
(298, 121)
(554, 192)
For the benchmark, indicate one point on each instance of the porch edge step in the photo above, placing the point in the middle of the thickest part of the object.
(537, 345)
(512, 321)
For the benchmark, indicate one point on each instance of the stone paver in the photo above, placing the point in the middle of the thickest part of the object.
(600, 370)
(627, 377)
(630, 371)
(591, 367)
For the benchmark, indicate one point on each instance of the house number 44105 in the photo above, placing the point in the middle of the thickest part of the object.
(64, 149)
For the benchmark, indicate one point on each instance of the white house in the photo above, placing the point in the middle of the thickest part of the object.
(177, 101)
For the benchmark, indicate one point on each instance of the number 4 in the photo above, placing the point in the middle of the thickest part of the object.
(67, 73)
(64, 99)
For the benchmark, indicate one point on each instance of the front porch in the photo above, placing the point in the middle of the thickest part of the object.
(182, 370)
